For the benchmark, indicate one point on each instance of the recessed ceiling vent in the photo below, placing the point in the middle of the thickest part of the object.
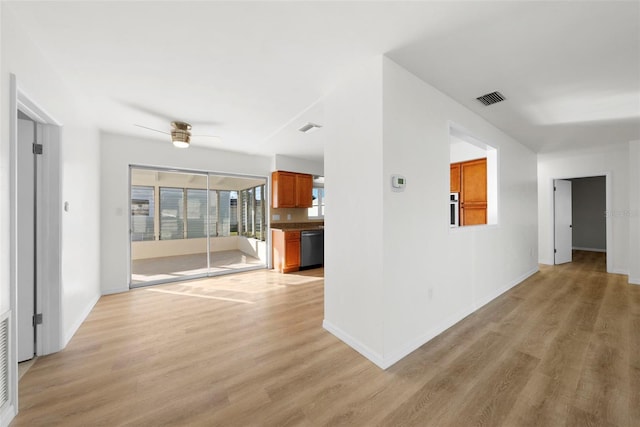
(491, 98)
(310, 127)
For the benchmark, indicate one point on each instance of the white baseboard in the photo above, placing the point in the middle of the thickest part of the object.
(7, 415)
(546, 261)
(620, 271)
(575, 248)
(114, 291)
(361, 348)
(76, 325)
(634, 280)
(385, 361)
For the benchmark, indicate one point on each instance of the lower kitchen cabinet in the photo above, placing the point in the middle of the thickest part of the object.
(286, 250)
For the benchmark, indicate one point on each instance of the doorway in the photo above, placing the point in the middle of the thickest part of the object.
(580, 216)
(47, 236)
(190, 224)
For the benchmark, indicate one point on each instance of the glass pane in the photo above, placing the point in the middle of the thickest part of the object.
(224, 213)
(179, 213)
(142, 213)
(196, 213)
(171, 213)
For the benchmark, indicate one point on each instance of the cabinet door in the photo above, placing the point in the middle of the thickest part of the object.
(473, 194)
(455, 177)
(304, 190)
(285, 250)
(291, 251)
(283, 189)
(473, 215)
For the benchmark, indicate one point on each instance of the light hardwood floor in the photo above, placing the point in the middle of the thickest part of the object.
(562, 348)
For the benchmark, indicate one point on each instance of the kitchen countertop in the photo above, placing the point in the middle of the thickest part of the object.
(298, 226)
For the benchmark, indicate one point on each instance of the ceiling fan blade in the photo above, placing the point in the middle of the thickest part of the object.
(155, 130)
(211, 138)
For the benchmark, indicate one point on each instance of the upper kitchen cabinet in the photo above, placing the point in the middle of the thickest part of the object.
(455, 178)
(291, 190)
(304, 190)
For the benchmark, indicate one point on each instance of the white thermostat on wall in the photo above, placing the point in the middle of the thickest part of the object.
(398, 182)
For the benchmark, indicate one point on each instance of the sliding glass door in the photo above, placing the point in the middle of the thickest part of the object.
(193, 224)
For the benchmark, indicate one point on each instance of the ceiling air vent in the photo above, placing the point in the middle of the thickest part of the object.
(491, 98)
(309, 127)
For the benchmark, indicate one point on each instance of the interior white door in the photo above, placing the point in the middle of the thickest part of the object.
(563, 227)
(26, 240)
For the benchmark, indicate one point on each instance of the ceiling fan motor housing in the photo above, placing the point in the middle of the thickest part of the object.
(180, 134)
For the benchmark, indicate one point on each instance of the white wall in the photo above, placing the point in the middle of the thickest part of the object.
(462, 151)
(4, 175)
(80, 178)
(411, 277)
(353, 252)
(294, 164)
(608, 159)
(634, 212)
(434, 275)
(161, 248)
(117, 153)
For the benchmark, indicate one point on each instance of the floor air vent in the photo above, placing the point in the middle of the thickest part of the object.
(491, 98)
(4, 361)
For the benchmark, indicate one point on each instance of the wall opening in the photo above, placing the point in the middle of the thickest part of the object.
(473, 166)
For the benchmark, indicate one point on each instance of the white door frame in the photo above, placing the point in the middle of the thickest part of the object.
(608, 218)
(49, 239)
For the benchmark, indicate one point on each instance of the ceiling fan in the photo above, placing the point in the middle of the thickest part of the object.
(180, 133)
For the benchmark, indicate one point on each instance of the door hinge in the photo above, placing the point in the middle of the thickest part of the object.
(554, 188)
(37, 148)
(555, 251)
(37, 319)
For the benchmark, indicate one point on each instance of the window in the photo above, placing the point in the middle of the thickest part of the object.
(142, 213)
(171, 213)
(224, 213)
(183, 212)
(252, 212)
(196, 213)
(317, 208)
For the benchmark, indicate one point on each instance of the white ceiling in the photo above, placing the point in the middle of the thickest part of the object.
(249, 70)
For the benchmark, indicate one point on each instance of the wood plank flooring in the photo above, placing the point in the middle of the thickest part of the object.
(562, 348)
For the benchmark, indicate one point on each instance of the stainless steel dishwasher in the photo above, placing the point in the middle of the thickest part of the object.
(311, 248)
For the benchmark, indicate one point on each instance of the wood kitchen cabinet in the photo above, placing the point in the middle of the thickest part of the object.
(291, 190)
(304, 190)
(472, 185)
(286, 250)
(455, 177)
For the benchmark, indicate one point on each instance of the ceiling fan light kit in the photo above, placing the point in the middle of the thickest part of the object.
(180, 134)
